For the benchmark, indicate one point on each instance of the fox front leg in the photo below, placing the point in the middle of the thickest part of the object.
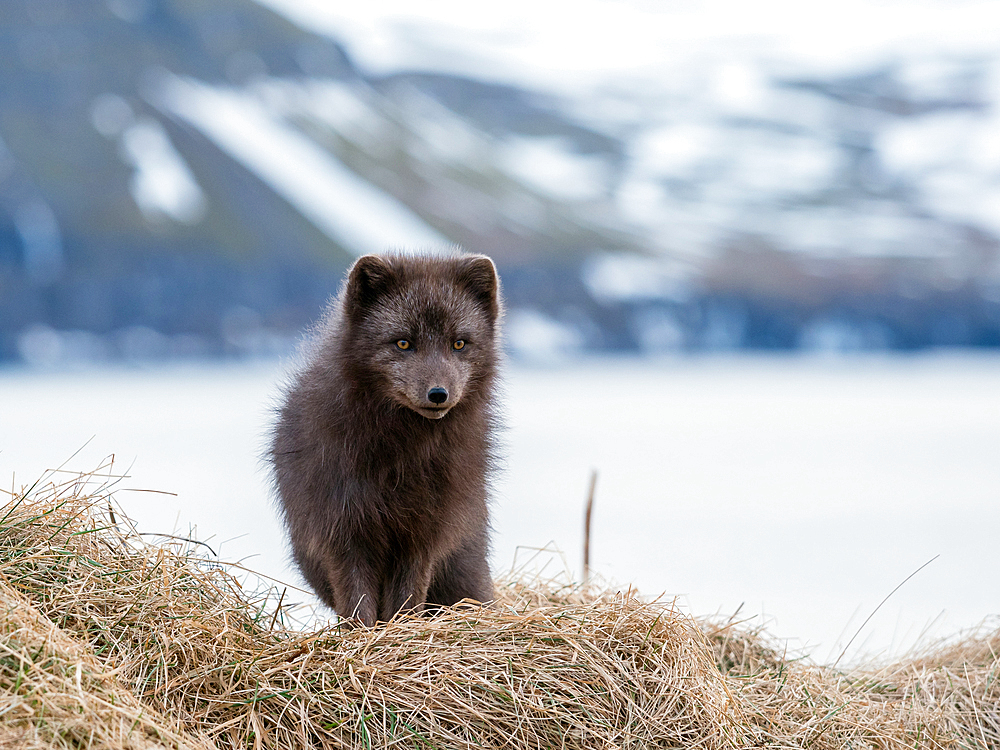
(405, 589)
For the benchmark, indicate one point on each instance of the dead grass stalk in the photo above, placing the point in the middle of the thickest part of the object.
(110, 641)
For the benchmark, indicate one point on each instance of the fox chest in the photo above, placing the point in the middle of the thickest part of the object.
(420, 504)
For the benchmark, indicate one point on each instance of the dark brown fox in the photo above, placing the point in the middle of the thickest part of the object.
(384, 444)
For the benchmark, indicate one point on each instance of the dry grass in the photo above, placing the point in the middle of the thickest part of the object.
(107, 641)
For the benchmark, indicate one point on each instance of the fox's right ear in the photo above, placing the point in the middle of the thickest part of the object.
(371, 276)
(479, 276)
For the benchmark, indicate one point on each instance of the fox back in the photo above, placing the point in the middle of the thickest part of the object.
(384, 443)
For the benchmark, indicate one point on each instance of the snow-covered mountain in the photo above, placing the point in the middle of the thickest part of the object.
(193, 178)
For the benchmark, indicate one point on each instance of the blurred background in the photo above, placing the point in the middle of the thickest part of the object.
(751, 258)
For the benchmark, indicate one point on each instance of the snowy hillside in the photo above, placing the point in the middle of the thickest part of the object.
(194, 178)
(788, 157)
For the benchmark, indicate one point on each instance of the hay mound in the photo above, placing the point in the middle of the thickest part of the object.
(108, 641)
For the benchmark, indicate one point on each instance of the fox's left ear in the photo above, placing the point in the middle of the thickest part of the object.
(478, 274)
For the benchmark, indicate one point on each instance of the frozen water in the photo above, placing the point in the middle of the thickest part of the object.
(802, 489)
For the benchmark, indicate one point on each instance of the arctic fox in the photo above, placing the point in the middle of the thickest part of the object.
(384, 442)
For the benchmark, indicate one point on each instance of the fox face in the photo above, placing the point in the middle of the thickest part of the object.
(422, 334)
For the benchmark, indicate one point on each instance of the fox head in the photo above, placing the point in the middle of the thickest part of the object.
(422, 330)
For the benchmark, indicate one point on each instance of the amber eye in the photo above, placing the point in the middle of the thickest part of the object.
(458, 345)
(403, 344)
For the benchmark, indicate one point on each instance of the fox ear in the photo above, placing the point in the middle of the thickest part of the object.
(479, 276)
(371, 276)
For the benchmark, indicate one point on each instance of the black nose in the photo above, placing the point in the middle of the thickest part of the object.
(437, 395)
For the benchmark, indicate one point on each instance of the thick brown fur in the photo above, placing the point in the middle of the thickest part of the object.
(384, 490)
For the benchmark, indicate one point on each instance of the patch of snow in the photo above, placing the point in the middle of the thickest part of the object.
(918, 144)
(675, 149)
(533, 336)
(445, 136)
(603, 40)
(756, 161)
(347, 208)
(960, 196)
(882, 229)
(346, 108)
(678, 227)
(717, 145)
(550, 166)
(110, 115)
(641, 199)
(935, 77)
(616, 278)
(162, 184)
(740, 87)
(953, 158)
(818, 230)
(803, 110)
(781, 164)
